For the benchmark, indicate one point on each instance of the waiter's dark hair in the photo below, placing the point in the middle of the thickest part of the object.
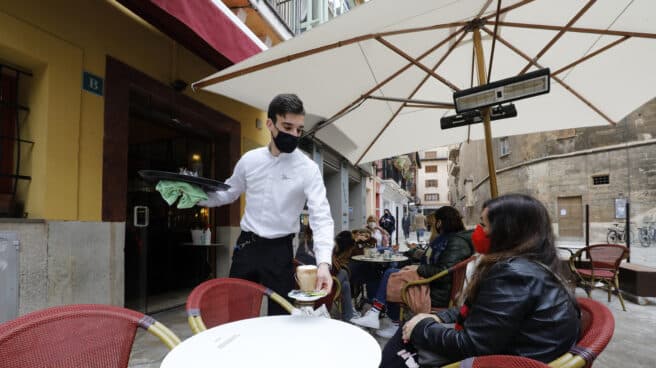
(284, 104)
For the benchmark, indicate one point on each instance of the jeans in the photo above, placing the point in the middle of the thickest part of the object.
(420, 233)
(347, 302)
(393, 309)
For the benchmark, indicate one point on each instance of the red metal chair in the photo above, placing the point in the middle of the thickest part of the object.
(603, 266)
(218, 301)
(83, 335)
(597, 328)
(458, 273)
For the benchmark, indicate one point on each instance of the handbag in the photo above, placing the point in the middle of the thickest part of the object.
(418, 296)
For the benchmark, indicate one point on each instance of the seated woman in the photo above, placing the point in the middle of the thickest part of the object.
(344, 249)
(516, 303)
(450, 245)
(381, 235)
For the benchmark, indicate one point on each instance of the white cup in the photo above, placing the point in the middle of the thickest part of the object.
(306, 277)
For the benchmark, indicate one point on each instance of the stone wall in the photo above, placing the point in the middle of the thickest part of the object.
(562, 163)
(67, 262)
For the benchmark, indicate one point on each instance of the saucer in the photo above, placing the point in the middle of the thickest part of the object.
(306, 297)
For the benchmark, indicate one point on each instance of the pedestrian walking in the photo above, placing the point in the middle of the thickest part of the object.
(278, 180)
(405, 224)
(388, 222)
(420, 225)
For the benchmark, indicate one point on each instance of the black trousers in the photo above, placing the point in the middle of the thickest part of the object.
(266, 261)
(397, 354)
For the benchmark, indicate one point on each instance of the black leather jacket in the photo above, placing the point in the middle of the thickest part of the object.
(521, 309)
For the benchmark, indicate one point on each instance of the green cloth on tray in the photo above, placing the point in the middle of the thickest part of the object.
(189, 194)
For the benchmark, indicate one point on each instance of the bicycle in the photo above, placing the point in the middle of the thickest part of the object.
(647, 234)
(617, 234)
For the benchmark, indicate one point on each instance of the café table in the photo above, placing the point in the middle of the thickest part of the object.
(380, 258)
(278, 341)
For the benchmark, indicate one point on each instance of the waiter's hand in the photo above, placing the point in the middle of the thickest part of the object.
(324, 279)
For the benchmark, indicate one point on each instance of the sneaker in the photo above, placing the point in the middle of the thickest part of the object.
(388, 331)
(370, 319)
(356, 314)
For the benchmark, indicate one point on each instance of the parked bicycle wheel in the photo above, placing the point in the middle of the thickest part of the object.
(612, 237)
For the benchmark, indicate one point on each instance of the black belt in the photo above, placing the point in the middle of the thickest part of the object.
(254, 238)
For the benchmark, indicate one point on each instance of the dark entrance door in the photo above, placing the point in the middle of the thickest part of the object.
(149, 125)
(160, 269)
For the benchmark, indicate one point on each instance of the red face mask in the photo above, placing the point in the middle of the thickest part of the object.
(480, 240)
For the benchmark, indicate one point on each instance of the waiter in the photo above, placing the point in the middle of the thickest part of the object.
(278, 180)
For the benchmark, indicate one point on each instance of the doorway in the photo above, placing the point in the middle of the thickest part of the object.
(570, 217)
(149, 125)
(161, 264)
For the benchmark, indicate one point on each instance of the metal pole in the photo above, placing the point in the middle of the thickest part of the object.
(482, 79)
(396, 219)
(587, 225)
(627, 229)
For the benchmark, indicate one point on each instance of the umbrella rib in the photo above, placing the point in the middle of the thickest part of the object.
(316, 50)
(560, 81)
(558, 35)
(606, 32)
(437, 65)
(416, 63)
(443, 105)
(389, 78)
(494, 42)
(593, 54)
(507, 9)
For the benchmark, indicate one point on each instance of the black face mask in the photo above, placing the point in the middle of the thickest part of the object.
(285, 142)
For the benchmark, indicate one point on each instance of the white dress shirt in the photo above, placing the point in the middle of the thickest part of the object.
(276, 190)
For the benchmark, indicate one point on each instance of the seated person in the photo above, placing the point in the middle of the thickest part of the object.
(344, 249)
(516, 303)
(381, 235)
(450, 245)
(305, 250)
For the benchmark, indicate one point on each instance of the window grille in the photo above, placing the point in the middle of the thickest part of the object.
(11, 115)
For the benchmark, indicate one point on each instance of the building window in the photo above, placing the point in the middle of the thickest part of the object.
(430, 154)
(504, 146)
(431, 168)
(432, 197)
(600, 180)
(431, 183)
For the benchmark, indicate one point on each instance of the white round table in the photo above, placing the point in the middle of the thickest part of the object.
(278, 341)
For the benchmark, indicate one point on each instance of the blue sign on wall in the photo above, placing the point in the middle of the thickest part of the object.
(92, 83)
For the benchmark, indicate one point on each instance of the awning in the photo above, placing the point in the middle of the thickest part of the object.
(206, 27)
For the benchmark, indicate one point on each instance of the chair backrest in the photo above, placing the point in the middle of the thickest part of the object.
(218, 301)
(458, 274)
(82, 335)
(606, 256)
(597, 328)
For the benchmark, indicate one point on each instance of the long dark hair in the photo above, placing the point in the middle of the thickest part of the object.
(451, 220)
(520, 226)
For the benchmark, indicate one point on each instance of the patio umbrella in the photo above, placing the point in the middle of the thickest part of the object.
(377, 80)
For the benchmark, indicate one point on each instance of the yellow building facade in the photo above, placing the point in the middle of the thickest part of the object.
(72, 248)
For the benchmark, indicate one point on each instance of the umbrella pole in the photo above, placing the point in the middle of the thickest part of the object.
(482, 79)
